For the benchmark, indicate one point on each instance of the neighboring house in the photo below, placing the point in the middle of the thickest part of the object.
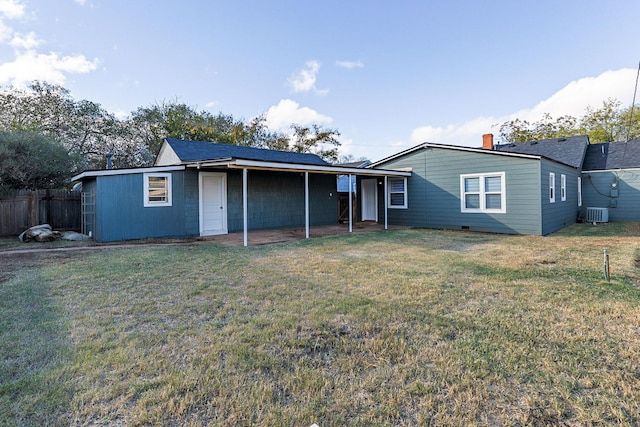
(202, 188)
(611, 179)
(531, 188)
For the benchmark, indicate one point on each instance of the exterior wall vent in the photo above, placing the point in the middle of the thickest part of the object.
(597, 215)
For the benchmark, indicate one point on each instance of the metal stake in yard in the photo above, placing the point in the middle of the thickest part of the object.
(607, 272)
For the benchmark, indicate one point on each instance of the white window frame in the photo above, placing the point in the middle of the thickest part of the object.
(579, 191)
(552, 187)
(154, 204)
(404, 193)
(482, 193)
(563, 187)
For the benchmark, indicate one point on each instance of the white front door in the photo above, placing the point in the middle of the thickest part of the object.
(369, 200)
(213, 203)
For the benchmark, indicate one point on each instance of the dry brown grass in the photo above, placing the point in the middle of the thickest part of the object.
(404, 327)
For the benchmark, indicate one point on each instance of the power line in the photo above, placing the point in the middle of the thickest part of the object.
(633, 104)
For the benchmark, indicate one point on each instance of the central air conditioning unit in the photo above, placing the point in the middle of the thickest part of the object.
(597, 215)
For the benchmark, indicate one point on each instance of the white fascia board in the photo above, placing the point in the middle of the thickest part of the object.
(295, 167)
(111, 172)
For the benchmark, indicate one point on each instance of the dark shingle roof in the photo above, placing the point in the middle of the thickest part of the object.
(194, 151)
(612, 155)
(570, 150)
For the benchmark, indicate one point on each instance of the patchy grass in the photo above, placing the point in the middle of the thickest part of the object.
(403, 327)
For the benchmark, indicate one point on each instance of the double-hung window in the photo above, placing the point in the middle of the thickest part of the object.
(397, 193)
(157, 189)
(483, 193)
(552, 187)
(563, 187)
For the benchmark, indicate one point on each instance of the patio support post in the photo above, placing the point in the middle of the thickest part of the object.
(306, 203)
(244, 204)
(350, 206)
(386, 202)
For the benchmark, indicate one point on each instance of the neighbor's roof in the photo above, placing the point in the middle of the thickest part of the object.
(570, 150)
(195, 151)
(612, 155)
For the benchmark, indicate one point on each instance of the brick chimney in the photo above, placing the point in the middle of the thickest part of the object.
(487, 141)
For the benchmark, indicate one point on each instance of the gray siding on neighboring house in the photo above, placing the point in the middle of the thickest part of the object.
(596, 192)
(121, 215)
(276, 200)
(434, 191)
(559, 214)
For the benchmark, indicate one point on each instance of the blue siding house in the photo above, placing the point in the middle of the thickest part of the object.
(202, 188)
(611, 179)
(490, 189)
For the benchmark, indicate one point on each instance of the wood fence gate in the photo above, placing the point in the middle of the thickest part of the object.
(21, 209)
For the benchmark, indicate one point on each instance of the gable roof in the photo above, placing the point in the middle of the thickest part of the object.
(570, 150)
(196, 151)
(612, 155)
(449, 147)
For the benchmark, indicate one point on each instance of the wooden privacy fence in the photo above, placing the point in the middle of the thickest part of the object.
(22, 209)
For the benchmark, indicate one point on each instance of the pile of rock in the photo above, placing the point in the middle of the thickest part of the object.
(44, 233)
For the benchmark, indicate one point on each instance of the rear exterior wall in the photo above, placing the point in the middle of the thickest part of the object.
(597, 192)
(276, 200)
(561, 213)
(434, 199)
(121, 215)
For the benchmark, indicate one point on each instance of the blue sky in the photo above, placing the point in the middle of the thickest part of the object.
(387, 75)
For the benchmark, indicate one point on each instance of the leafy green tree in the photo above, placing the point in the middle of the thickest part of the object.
(30, 160)
(86, 129)
(608, 123)
(83, 127)
(315, 139)
(176, 120)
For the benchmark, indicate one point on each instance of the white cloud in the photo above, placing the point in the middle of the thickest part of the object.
(280, 117)
(5, 32)
(350, 65)
(571, 100)
(304, 80)
(575, 97)
(11, 8)
(24, 41)
(30, 66)
(211, 104)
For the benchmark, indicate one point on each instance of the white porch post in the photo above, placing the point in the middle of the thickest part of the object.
(244, 204)
(306, 203)
(350, 206)
(386, 202)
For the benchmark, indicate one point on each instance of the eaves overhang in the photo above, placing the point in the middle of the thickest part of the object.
(296, 167)
(112, 172)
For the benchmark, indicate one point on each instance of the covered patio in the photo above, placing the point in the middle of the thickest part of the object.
(248, 166)
(265, 237)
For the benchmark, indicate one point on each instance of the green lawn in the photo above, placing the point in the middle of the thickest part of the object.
(402, 327)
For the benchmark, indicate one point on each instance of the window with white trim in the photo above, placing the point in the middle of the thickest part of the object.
(483, 193)
(579, 191)
(552, 187)
(157, 189)
(397, 193)
(563, 187)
